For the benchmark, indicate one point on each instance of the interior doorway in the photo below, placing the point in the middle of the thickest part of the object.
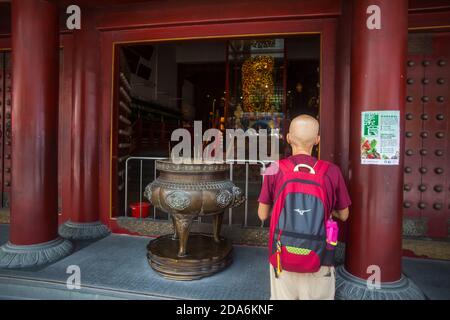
(258, 83)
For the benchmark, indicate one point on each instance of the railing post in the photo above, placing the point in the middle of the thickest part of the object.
(262, 175)
(140, 181)
(246, 195)
(140, 191)
(126, 187)
(230, 210)
(154, 178)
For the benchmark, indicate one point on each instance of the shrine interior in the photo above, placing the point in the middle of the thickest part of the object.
(164, 86)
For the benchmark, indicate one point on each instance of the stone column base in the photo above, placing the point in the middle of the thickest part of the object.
(349, 287)
(34, 255)
(83, 231)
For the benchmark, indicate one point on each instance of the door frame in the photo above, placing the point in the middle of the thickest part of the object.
(110, 39)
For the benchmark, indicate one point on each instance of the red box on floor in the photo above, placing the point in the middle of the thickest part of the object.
(137, 207)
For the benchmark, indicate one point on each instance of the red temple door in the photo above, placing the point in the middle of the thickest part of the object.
(427, 146)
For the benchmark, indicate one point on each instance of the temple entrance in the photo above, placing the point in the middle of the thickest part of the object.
(243, 84)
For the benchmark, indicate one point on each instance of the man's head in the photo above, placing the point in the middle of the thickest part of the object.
(303, 134)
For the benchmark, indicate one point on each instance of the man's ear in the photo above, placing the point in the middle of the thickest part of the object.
(288, 138)
(317, 140)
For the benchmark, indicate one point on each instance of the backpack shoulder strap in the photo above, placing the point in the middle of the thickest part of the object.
(321, 167)
(286, 166)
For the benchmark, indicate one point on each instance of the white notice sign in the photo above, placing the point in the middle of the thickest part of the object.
(380, 137)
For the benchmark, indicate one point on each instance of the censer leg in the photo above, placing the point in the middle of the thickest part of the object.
(182, 226)
(217, 226)
(175, 231)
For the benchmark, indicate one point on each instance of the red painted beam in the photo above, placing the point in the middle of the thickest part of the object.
(204, 11)
(97, 3)
(431, 20)
(428, 5)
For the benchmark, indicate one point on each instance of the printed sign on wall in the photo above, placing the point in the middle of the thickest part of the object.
(380, 137)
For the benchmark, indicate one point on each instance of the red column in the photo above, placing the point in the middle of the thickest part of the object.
(35, 75)
(83, 223)
(375, 226)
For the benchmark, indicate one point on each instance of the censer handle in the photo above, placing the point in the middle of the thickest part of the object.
(239, 197)
(148, 192)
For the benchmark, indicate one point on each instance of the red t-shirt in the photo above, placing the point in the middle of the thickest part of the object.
(337, 194)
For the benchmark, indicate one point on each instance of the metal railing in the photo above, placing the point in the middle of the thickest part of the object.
(263, 165)
(232, 163)
(140, 181)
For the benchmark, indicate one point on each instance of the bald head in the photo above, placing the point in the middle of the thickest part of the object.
(303, 132)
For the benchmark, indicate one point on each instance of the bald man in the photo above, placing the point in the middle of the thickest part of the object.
(302, 137)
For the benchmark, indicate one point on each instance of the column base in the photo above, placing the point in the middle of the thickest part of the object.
(35, 255)
(349, 287)
(83, 231)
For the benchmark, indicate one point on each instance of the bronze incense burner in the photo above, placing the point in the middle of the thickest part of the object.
(187, 191)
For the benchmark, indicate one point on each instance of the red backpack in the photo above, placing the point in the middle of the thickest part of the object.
(297, 240)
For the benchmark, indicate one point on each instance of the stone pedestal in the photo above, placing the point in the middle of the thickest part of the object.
(206, 256)
(83, 231)
(349, 287)
(34, 255)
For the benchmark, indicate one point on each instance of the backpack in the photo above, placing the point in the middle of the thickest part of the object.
(298, 233)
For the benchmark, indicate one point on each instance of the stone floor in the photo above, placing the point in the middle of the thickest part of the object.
(431, 276)
(116, 268)
(412, 246)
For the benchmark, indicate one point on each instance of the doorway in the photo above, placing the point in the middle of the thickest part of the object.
(169, 85)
